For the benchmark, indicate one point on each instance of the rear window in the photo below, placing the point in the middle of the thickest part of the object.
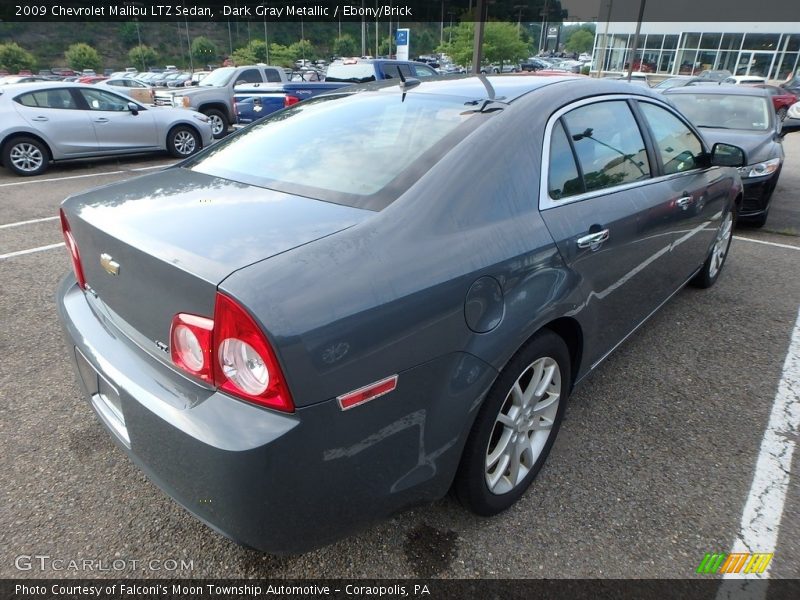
(359, 150)
(725, 111)
(354, 73)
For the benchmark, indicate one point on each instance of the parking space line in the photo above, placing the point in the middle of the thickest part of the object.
(51, 179)
(761, 518)
(30, 251)
(777, 245)
(28, 222)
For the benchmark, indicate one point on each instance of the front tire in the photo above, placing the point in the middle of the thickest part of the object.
(218, 122)
(183, 141)
(26, 156)
(516, 426)
(709, 274)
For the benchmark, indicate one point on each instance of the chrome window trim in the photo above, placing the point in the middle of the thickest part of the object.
(546, 202)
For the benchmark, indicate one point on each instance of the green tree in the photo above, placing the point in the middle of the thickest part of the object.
(82, 56)
(142, 57)
(502, 43)
(204, 50)
(302, 49)
(346, 46)
(580, 41)
(14, 58)
(243, 56)
(128, 33)
(281, 55)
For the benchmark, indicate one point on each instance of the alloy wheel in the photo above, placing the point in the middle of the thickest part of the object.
(26, 157)
(523, 425)
(721, 246)
(184, 143)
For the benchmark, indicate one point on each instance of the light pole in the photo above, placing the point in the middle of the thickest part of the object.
(266, 38)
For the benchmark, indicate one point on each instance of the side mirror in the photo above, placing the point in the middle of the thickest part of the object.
(789, 126)
(727, 155)
(134, 108)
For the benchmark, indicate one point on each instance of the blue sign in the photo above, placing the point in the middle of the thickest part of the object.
(401, 37)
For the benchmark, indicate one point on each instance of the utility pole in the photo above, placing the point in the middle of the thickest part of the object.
(477, 44)
(636, 40)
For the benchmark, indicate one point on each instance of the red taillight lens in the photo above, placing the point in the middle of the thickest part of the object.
(231, 352)
(72, 248)
(191, 340)
(245, 364)
(289, 100)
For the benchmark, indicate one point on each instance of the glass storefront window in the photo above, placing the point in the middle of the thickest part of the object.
(732, 41)
(793, 44)
(670, 42)
(786, 66)
(654, 42)
(705, 60)
(761, 41)
(710, 41)
(691, 40)
(666, 62)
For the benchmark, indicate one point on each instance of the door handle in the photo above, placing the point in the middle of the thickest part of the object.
(684, 202)
(40, 119)
(593, 240)
(101, 120)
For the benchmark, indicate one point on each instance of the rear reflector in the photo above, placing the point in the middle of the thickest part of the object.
(289, 100)
(367, 393)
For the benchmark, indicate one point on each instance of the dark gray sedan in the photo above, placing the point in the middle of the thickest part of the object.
(378, 295)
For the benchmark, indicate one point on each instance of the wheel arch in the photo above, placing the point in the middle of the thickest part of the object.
(216, 105)
(184, 124)
(570, 331)
(23, 134)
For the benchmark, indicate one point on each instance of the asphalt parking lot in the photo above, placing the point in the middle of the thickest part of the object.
(653, 467)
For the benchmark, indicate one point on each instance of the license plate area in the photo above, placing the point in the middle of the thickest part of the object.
(104, 398)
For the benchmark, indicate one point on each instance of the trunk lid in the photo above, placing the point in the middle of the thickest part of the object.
(176, 234)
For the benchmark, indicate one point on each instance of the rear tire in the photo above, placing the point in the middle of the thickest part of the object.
(709, 274)
(516, 426)
(782, 113)
(26, 156)
(218, 122)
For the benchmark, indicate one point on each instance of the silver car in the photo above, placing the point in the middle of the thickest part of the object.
(52, 121)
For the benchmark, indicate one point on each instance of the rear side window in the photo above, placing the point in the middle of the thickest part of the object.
(563, 178)
(48, 99)
(608, 144)
(678, 146)
(272, 75)
(249, 76)
(351, 73)
(392, 71)
(423, 71)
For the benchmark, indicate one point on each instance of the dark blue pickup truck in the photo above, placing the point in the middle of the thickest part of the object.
(256, 101)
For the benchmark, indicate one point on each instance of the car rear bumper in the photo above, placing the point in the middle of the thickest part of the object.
(281, 483)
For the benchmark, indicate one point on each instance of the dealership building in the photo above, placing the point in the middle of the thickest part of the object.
(768, 50)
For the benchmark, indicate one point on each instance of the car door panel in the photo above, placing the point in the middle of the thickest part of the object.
(52, 113)
(116, 127)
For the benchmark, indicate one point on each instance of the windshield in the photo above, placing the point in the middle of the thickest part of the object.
(218, 77)
(359, 149)
(750, 113)
(355, 73)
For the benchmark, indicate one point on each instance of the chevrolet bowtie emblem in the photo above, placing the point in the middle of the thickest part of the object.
(109, 264)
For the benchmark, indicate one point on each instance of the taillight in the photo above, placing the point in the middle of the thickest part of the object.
(289, 100)
(231, 352)
(245, 363)
(72, 248)
(191, 341)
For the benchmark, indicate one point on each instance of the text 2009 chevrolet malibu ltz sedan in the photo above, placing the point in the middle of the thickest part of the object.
(377, 295)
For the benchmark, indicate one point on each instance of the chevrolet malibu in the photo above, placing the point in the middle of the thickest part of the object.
(382, 294)
(53, 121)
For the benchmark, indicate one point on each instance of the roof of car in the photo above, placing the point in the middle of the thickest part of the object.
(723, 90)
(502, 88)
